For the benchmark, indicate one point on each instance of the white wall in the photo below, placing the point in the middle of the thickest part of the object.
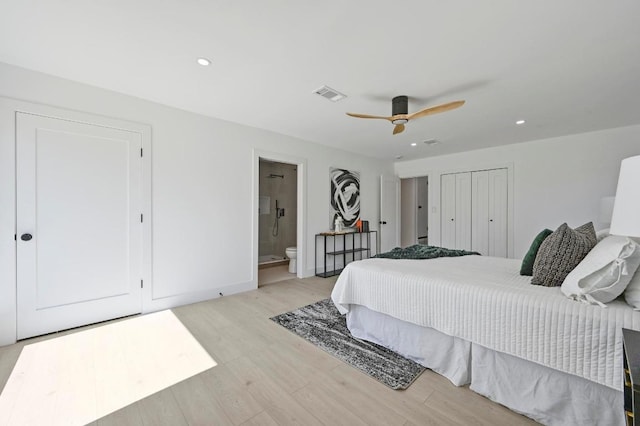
(202, 179)
(555, 180)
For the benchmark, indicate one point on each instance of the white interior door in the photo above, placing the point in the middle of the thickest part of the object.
(389, 212)
(79, 241)
(423, 210)
(480, 212)
(463, 211)
(498, 212)
(448, 211)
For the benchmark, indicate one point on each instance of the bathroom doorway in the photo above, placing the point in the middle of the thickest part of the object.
(277, 221)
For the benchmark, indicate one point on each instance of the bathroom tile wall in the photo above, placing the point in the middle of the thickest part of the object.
(285, 191)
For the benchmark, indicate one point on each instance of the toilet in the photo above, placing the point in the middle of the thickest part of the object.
(292, 253)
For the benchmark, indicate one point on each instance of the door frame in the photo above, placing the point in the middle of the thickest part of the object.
(412, 197)
(8, 221)
(398, 211)
(301, 223)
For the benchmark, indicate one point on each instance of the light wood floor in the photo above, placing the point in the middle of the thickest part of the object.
(266, 375)
(274, 274)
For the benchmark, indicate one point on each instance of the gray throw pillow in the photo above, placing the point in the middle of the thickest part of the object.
(561, 252)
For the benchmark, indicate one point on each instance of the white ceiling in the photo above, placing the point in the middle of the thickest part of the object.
(566, 66)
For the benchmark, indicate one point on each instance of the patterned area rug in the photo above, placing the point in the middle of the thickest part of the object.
(321, 324)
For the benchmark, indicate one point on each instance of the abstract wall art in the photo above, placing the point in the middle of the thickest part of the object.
(345, 196)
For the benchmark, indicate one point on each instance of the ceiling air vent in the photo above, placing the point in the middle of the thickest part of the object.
(329, 93)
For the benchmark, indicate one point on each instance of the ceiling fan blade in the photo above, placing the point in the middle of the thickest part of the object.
(398, 129)
(368, 116)
(436, 109)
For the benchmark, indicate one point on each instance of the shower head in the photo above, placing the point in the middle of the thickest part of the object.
(272, 176)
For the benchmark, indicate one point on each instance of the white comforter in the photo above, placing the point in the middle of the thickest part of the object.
(484, 300)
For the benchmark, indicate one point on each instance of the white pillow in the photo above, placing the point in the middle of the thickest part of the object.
(605, 272)
(602, 234)
(632, 293)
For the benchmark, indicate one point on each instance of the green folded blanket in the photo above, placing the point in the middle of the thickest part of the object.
(420, 251)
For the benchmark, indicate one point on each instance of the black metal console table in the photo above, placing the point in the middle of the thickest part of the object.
(343, 246)
(631, 364)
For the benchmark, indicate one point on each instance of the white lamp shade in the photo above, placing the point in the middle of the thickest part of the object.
(626, 209)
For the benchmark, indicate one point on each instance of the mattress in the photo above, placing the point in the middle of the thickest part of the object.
(485, 301)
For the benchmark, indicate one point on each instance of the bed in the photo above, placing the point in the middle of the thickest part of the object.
(476, 321)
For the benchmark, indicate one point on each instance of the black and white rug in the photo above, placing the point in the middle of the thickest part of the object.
(321, 324)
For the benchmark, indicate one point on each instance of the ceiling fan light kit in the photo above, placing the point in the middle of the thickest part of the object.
(400, 112)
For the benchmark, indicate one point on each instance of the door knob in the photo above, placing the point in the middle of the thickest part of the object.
(383, 222)
(26, 237)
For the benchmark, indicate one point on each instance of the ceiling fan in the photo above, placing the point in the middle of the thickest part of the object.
(400, 116)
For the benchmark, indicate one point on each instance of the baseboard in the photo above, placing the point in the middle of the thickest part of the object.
(196, 296)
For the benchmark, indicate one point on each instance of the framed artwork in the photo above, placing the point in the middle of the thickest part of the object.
(345, 196)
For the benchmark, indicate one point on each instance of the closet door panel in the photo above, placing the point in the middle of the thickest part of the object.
(498, 212)
(463, 211)
(448, 211)
(480, 212)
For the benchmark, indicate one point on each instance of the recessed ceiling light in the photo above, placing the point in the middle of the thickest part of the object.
(204, 62)
(520, 122)
(413, 144)
(431, 142)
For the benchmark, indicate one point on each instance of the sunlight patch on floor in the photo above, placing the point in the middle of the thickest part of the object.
(81, 377)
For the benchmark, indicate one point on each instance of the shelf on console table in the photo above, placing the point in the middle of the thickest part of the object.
(337, 245)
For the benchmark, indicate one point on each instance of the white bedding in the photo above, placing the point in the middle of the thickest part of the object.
(548, 396)
(484, 300)
(446, 355)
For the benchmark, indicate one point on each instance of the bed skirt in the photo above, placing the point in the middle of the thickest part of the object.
(548, 396)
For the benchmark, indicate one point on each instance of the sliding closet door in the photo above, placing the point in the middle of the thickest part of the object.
(474, 211)
(480, 212)
(455, 194)
(463, 211)
(498, 212)
(448, 211)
